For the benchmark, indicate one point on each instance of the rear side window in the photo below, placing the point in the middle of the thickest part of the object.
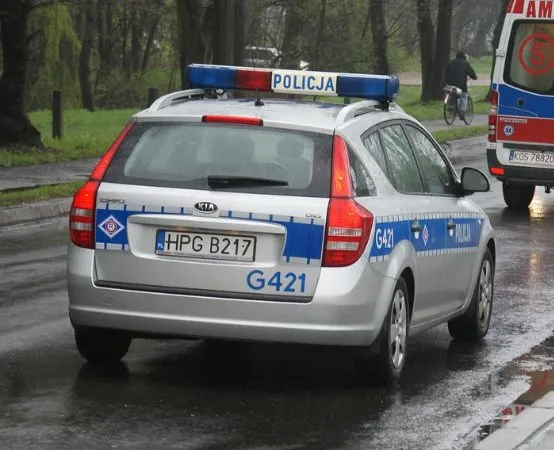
(402, 161)
(362, 183)
(184, 155)
(530, 56)
(373, 144)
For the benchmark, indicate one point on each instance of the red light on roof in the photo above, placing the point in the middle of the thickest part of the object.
(254, 80)
(219, 118)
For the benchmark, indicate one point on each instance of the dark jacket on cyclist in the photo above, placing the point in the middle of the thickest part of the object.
(458, 70)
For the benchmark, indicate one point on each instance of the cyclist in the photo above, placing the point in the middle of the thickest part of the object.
(457, 72)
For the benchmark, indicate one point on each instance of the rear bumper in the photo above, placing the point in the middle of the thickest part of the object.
(520, 174)
(337, 315)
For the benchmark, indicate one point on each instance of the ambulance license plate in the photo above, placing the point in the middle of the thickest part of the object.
(205, 246)
(535, 158)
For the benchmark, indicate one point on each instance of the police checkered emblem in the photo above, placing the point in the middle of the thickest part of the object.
(111, 227)
(425, 235)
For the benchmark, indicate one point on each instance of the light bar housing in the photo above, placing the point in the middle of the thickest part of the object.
(370, 87)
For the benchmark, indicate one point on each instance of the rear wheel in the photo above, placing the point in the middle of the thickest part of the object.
(468, 116)
(518, 196)
(102, 346)
(450, 110)
(474, 324)
(390, 361)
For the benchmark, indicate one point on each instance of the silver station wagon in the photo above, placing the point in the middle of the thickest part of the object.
(278, 220)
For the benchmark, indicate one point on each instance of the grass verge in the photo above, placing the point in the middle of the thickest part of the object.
(408, 99)
(454, 134)
(86, 135)
(39, 193)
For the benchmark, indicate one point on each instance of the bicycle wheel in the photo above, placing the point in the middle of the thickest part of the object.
(450, 110)
(468, 116)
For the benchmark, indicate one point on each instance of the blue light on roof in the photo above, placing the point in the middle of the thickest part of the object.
(374, 87)
(212, 77)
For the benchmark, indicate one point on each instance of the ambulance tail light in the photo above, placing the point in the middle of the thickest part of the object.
(81, 215)
(349, 224)
(493, 115)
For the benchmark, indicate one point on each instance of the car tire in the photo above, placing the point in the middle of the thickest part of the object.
(518, 196)
(474, 324)
(391, 345)
(102, 346)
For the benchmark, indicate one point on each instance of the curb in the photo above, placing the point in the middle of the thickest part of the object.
(35, 211)
(525, 427)
(31, 212)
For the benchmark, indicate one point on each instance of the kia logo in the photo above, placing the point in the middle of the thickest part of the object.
(205, 207)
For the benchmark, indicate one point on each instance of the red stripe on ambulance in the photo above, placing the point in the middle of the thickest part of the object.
(525, 130)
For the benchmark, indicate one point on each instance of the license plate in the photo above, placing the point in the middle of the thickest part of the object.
(535, 158)
(205, 246)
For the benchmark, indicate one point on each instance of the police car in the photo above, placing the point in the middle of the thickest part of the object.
(278, 220)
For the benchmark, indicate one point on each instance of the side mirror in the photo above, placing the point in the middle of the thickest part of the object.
(474, 180)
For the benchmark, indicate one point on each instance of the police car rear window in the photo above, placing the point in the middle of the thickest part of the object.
(189, 155)
(529, 64)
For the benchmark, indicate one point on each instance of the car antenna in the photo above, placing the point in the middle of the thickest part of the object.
(258, 101)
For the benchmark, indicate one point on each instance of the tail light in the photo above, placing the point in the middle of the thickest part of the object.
(496, 170)
(493, 114)
(348, 223)
(81, 216)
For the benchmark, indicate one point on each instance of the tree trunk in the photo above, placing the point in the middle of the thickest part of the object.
(149, 43)
(189, 42)
(319, 38)
(87, 96)
(136, 40)
(15, 126)
(223, 32)
(293, 28)
(426, 37)
(379, 33)
(240, 33)
(443, 47)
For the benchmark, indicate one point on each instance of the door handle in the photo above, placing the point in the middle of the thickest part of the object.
(416, 227)
(451, 225)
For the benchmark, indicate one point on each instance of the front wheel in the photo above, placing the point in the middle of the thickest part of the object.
(474, 324)
(450, 110)
(468, 116)
(102, 346)
(518, 196)
(388, 365)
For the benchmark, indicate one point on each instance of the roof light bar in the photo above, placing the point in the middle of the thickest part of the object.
(371, 87)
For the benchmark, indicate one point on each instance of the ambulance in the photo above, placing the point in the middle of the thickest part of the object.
(520, 150)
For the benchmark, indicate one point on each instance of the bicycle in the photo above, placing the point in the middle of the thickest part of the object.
(450, 107)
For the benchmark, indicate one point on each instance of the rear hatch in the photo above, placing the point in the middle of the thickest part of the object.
(214, 209)
(526, 98)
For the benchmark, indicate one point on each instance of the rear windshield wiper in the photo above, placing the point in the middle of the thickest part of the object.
(243, 181)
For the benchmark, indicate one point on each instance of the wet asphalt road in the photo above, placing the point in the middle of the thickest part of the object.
(171, 394)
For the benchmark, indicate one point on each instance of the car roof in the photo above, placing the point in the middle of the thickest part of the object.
(296, 114)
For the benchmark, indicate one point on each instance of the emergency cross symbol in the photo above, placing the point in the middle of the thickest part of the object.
(111, 227)
(508, 130)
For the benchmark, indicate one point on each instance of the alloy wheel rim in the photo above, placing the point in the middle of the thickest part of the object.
(398, 328)
(485, 294)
